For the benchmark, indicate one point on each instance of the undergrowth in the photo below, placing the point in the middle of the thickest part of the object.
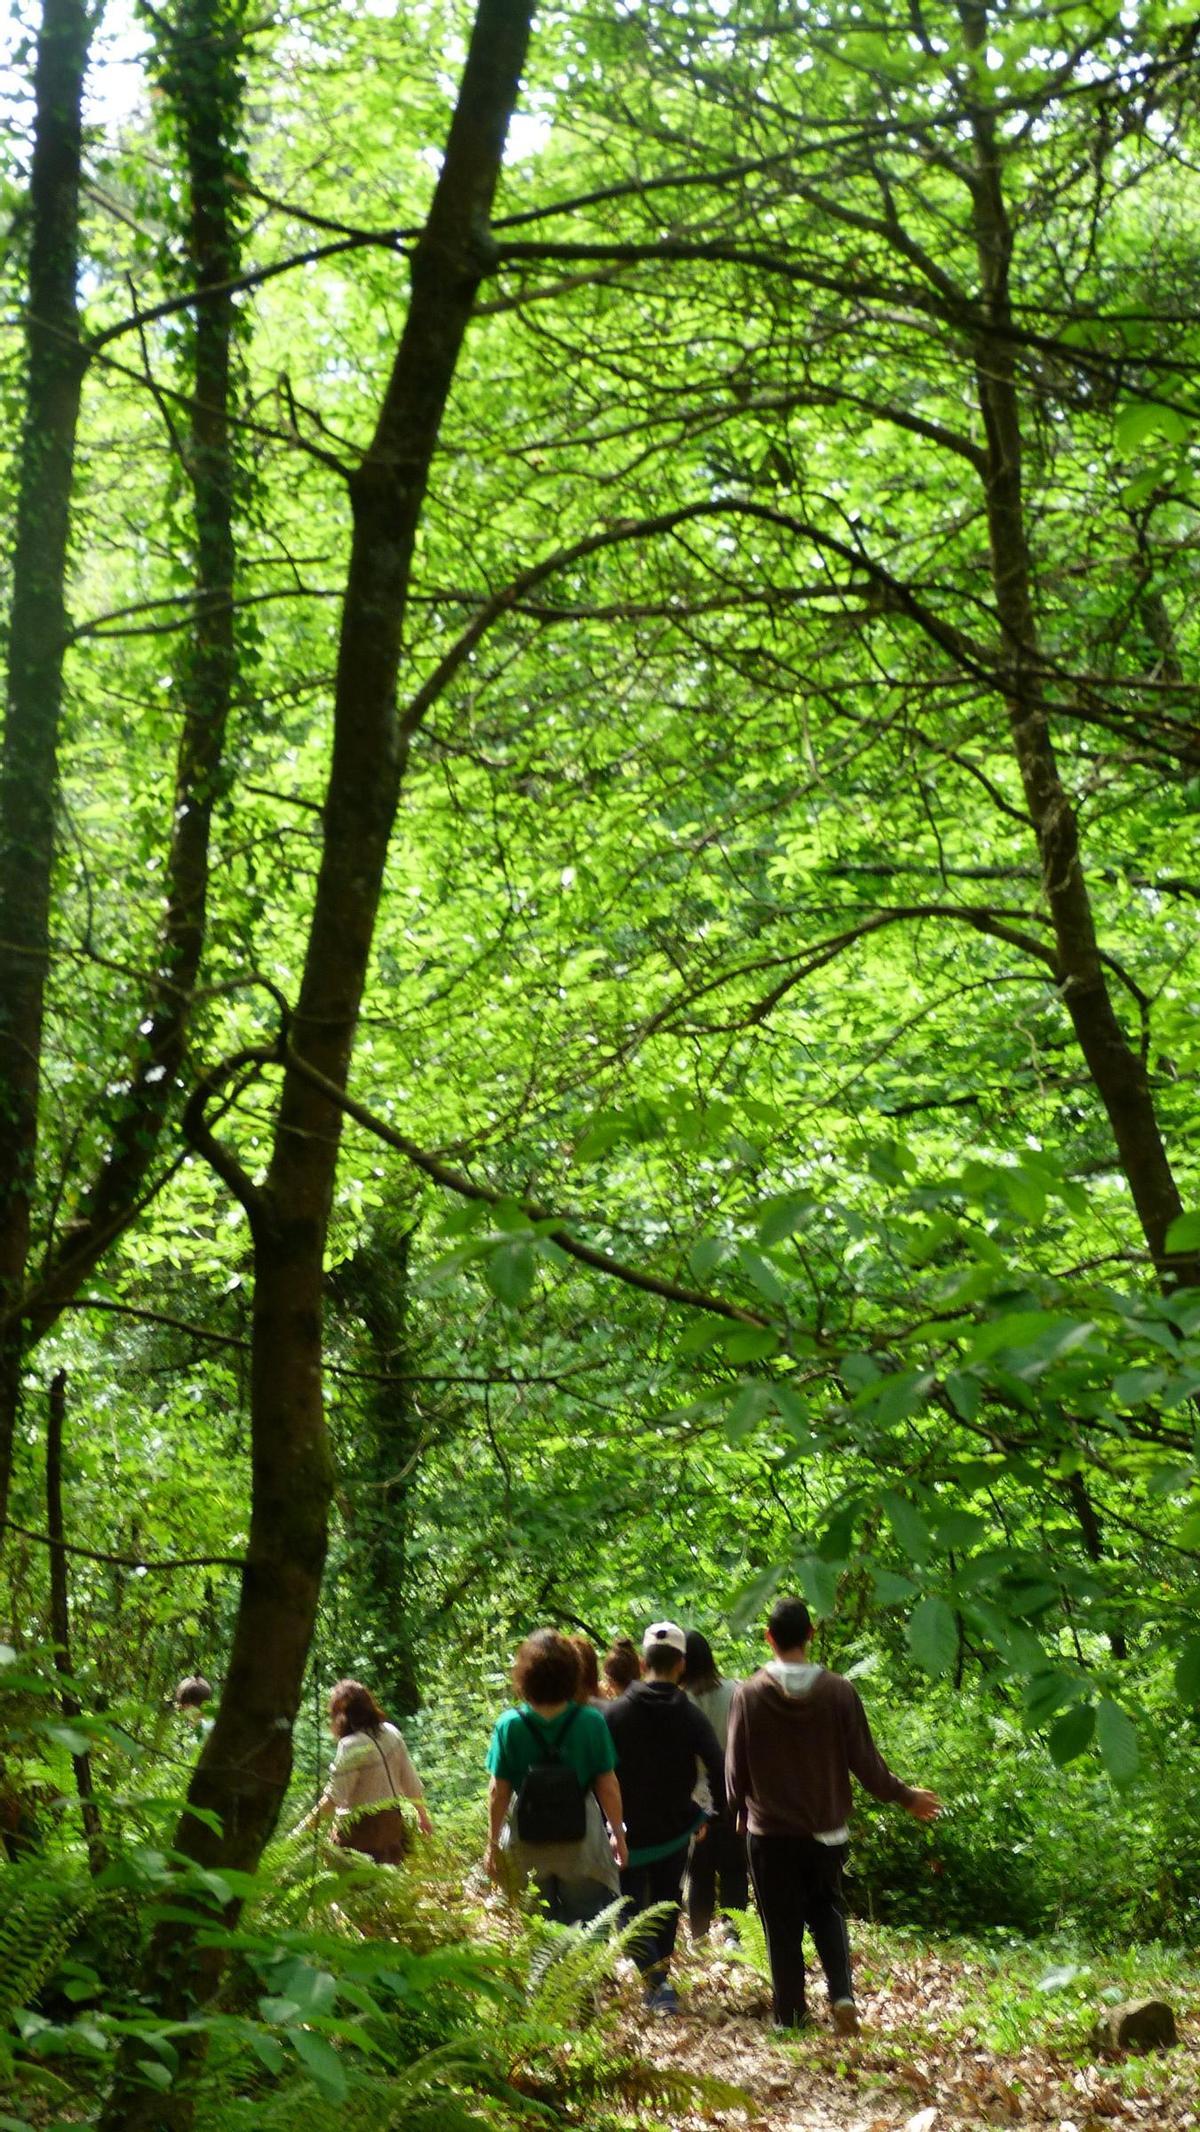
(353, 1997)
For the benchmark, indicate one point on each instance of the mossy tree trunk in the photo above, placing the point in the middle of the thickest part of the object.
(242, 1775)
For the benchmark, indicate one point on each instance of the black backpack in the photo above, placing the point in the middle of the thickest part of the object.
(551, 1801)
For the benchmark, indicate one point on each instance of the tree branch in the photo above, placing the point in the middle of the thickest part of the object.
(95, 1554)
(465, 1187)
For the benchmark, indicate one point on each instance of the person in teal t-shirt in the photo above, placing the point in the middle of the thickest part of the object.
(576, 1880)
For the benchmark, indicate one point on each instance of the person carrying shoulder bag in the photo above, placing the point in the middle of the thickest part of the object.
(371, 1767)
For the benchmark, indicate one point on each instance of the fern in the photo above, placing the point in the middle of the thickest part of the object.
(568, 1963)
(751, 1945)
(635, 2080)
(41, 1908)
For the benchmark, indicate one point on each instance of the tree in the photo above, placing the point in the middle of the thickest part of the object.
(782, 926)
(36, 642)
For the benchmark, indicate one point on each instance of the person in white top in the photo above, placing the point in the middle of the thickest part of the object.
(371, 1767)
(720, 1861)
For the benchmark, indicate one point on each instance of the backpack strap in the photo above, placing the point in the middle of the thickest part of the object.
(387, 1767)
(550, 1748)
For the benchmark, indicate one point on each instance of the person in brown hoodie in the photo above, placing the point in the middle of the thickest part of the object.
(796, 1734)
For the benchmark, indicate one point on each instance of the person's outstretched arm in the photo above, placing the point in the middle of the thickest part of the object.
(872, 1771)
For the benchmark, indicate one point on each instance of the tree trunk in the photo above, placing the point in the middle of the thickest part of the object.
(243, 1770)
(60, 1613)
(290, 1459)
(1118, 1072)
(379, 1481)
(201, 73)
(36, 642)
(202, 79)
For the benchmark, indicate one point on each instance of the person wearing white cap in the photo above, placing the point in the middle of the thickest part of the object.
(659, 1734)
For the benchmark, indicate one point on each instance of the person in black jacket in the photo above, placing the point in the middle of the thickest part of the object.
(659, 1737)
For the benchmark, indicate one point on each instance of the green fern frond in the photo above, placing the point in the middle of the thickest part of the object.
(751, 1945)
(635, 2080)
(42, 1905)
(569, 1963)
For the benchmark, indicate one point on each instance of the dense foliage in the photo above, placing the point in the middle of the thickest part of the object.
(752, 970)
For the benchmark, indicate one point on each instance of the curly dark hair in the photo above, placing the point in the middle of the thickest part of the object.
(546, 1669)
(588, 1685)
(353, 1708)
(622, 1665)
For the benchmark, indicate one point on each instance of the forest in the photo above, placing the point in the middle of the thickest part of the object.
(599, 926)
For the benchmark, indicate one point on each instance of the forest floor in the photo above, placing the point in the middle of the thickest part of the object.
(954, 2036)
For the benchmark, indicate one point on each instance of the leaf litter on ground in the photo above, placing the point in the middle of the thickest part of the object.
(928, 2059)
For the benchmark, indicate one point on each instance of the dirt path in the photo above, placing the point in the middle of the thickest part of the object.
(920, 2065)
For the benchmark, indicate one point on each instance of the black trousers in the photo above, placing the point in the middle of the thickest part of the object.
(716, 1867)
(798, 1882)
(642, 1887)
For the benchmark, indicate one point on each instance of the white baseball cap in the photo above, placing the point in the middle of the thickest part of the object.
(668, 1633)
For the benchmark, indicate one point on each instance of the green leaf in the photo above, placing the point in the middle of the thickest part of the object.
(321, 2061)
(157, 2075)
(890, 1588)
(908, 1525)
(1147, 418)
(762, 1274)
(1047, 1692)
(780, 1218)
(1132, 1387)
(706, 1255)
(753, 1597)
(606, 1133)
(751, 1401)
(1117, 1740)
(68, 1736)
(1045, 1334)
(789, 1406)
(267, 2049)
(1187, 1671)
(960, 1528)
(964, 1394)
(751, 1343)
(837, 1541)
(901, 1395)
(1071, 1733)
(278, 2011)
(1144, 484)
(314, 1990)
(509, 1272)
(819, 1582)
(703, 1332)
(933, 1635)
(1184, 1233)
(1171, 1480)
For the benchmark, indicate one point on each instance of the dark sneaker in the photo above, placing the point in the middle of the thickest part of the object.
(845, 2018)
(662, 1998)
(798, 2018)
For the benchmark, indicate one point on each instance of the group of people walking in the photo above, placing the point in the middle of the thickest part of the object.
(612, 1781)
